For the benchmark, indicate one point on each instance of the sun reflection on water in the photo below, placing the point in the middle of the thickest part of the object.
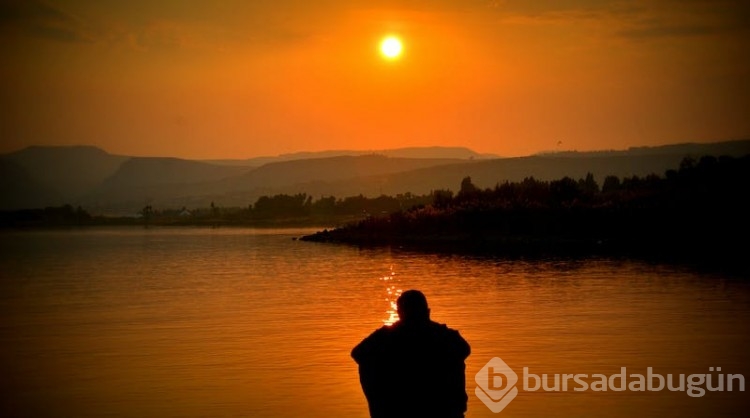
(392, 294)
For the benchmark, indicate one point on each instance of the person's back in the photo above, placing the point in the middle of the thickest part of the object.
(414, 368)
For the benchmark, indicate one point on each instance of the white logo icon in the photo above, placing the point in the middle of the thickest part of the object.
(496, 385)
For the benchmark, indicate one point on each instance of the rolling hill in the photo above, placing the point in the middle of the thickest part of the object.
(19, 190)
(68, 173)
(105, 183)
(410, 152)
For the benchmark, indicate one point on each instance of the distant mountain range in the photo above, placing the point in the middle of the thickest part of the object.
(412, 152)
(114, 184)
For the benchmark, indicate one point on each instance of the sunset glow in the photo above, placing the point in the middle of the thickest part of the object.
(349, 208)
(242, 79)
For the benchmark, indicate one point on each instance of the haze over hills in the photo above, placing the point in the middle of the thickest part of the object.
(20, 190)
(410, 152)
(178, 183)
(738, 147)
(85, 175)
(111, 184)
(44, 176)
(72, 171)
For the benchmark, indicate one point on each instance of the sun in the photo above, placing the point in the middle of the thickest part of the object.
(391, 47)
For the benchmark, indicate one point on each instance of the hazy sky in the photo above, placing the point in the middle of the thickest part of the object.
(235, 79)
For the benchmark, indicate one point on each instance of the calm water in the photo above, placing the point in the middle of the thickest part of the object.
(250, 323)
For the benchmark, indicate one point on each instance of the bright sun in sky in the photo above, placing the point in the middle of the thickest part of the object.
(338, 74)
(391, 47)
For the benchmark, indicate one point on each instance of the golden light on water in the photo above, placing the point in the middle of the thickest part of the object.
(269, 328)
(392, 294)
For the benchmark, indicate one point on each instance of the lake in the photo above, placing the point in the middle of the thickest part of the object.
(190, 322)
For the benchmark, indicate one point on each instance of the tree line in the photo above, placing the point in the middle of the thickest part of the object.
(673, 204)
(698, 209)
(65, 215)
(296, 209)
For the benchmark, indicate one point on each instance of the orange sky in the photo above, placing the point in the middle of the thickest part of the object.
(236, 79)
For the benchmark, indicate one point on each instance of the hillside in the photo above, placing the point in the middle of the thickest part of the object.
(488, 173)
(105, 183)
(20, 190)
(329, 169)
(150, 172)
(688, 215)
(349, 176)
(67, 172)
(177, 183)
(411, 152)
(730, 148)
(141, 181)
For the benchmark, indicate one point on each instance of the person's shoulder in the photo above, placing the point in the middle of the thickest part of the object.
(371, 344)
(448, 332)
(380, 333)
(444, 328)
(384, 330)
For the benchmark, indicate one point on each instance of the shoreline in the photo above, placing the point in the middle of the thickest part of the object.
(535, 249)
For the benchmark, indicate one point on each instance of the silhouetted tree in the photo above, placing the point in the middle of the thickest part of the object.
(442, 198)
(281, 206)
(611, 184)
(534, 192)
(325, 206)
(467, 187)
(82, 216)
(146, 214)
(687, 163)
(564, 191)
(589, 185)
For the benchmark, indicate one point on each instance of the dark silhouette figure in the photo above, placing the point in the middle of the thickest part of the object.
(414, 368)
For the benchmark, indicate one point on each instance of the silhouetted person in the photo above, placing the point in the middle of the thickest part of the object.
(414, 368)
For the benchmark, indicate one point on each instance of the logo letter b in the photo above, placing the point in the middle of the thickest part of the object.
(490, 388)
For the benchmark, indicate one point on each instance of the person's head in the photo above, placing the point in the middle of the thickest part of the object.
(412, 306)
